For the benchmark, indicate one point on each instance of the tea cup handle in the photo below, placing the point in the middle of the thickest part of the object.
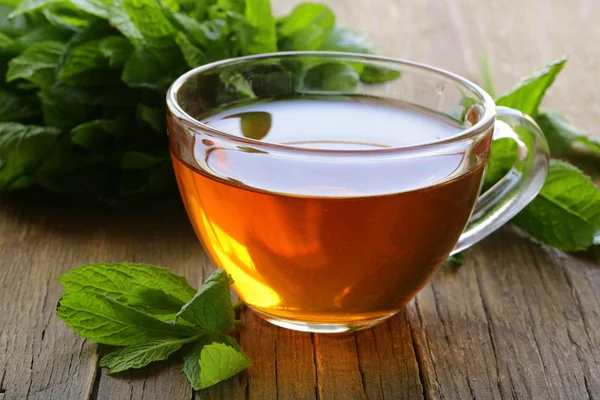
(518, 187)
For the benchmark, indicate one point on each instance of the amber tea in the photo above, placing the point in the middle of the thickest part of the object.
(335, 244)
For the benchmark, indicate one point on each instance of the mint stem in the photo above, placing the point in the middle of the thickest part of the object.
(193, 338)
(237, 305)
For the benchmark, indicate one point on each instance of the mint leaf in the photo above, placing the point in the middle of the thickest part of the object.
(22, 151)
(116, 49)
(41, 34)
(152, 289)
(98, 8)
(157, 32)
(455, 260)
(120, 19)
(154, 117)
(527, 95)
(376, 74)
(562, 135)
(194, 57)
(330, 77)
(566, 213)
(191, 366)
(259, 15)
(503, 156)
(85, 65)
(27, 6)
(211, 307)
(18, 106)
(307, 27)
(219, 361)
(136, 160)
(140, 355)
(93, 135)
(343, 38)
(214, 358)
(144, 71)
(104, 320)
(36, 64)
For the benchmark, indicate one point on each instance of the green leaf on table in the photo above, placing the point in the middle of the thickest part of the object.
(347, 39)
(455, 260)
(104, 320)
(214, 358)
(152, 289)
(307, 27)
(258, 14)
(219, 361)
(566, 213)
(211, 308)
(330, 77)
(503, 156)
(36, 64)
(140, 355)
(561, 135)
(527, 95)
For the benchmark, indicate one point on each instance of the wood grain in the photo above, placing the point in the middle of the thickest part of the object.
(518, 321)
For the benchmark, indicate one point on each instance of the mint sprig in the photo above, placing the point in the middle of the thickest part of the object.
(95, 74)
(120, 304)
(566, 213)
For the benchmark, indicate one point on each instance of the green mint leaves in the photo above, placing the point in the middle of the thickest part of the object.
(527, 95)
(562, 136)
(97, 72)
(211, 308)
(155, 313)
(215, 357)
(566, 213)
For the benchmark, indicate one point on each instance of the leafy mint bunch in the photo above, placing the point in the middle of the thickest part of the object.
(82, 106)
(566, 213)
(154, 313)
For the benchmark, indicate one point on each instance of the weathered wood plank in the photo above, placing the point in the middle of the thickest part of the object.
(388, 361)
(338, 367)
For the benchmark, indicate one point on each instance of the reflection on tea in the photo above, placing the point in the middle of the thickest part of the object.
(331, 240)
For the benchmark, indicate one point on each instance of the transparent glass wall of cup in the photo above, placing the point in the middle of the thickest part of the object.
(341, 260)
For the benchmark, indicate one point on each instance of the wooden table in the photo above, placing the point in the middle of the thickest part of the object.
(519, 320)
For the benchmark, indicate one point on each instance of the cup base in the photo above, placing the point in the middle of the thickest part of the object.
(317, 327)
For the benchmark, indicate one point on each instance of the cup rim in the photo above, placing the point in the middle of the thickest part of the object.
(486, 120)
